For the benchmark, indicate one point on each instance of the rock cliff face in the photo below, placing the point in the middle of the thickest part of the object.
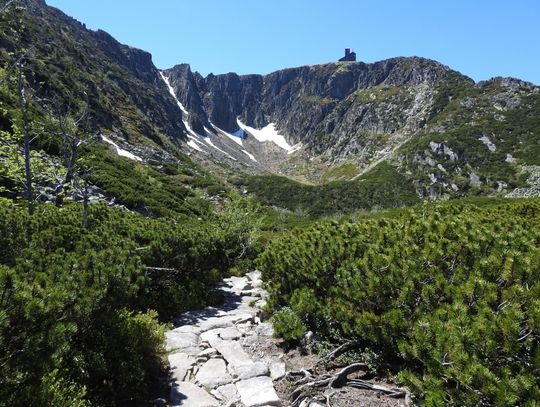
(447, 135)
(337, 109)
(394, 110)
(318, 105)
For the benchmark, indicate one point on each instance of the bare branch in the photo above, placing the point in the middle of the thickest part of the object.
(339, 351)
(5, 6)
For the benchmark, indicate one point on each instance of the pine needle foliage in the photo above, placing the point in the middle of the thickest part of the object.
(450, 293)
(80, 308)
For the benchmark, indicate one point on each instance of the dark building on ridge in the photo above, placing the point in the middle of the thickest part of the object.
(349, 56)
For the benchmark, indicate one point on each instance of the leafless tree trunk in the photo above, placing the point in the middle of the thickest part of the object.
(71, 142)
(23, 105)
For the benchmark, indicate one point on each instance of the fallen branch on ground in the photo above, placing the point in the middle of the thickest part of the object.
(338, 380)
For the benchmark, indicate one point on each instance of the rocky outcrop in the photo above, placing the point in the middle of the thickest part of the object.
(139, 62)
(183, 81)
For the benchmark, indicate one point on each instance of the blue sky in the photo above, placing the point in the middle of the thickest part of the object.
(480, 38)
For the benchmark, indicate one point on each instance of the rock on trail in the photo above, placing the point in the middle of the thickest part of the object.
(208, 351)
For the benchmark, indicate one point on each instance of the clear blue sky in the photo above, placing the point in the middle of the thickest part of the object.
(480, 38)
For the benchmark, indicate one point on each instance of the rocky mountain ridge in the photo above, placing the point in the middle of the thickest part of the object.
(332, 122)
(361, 115)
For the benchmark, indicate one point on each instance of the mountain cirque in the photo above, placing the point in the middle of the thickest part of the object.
(423, 124)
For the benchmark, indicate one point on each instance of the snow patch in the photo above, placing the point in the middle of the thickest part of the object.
(180, 106)
(267, 133)
(194, 145)
(189, 129)
(485, 139)
(120, 151)
(234, 138)
(509, 158)
(295, 148)
(249, 155)
(171, 91)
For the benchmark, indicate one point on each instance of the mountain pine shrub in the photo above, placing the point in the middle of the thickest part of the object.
(450, 293)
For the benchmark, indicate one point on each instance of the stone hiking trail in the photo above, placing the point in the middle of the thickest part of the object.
(211, 351)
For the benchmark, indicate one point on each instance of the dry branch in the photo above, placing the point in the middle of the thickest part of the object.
(339, 351)
(338, 380)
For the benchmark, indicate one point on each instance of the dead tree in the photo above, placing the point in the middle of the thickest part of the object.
(27, 139)
(74, 137)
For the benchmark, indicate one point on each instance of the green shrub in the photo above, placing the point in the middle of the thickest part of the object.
(76, 300)
(382, 187)
(288, 325)
(449, 293)
(59, 392)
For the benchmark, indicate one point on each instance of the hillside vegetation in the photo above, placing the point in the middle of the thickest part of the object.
(383, 187)
(448, 295)
(79, 307)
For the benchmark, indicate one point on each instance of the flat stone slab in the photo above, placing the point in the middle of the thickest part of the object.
(217, 322)
(181, 340)
(227, 393)
(207, 353)
(213, 374)
(186, 394)
(258, 391)
(230, 333)
(249, 370)
(187, 329)
(232, 352)
(180, 364)
(209, 365)
(277, 370)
